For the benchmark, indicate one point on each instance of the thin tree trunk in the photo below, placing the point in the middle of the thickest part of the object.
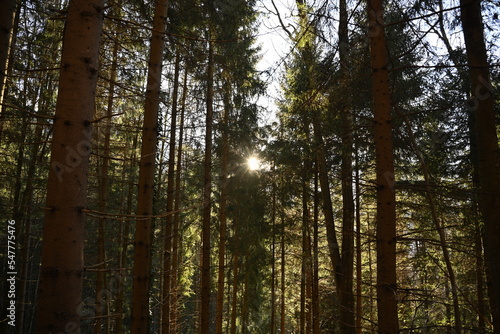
(61, 273)
(439, 226)
(273, 253)
(234, 307)
(384, 160)
(7, 15)
(167, 267)
(222, 210)
(333, 245)
(359, 281)
(125, 239)
(347, 322)
(308, 280)
(177, 217)
(482, 106)
(244, 305)
(315, 283)
(283, 266)
(305, 219)
(207, 205)
(9, 66)
(142, 241)
(479, 278)
(103, 195)
(305, 305)
(26, 223)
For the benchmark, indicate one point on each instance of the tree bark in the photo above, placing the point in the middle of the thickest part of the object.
(384, 160)
(61, 273)
(167, 267)
(177, 217)
(125, 235)
(273, 254)
(346, 270)
(315, 282)
(142, 241)
(103, 195)
(283, 272)
(234, 302)
(359, 280)
(222, 209)
(482, 106)
(7, 15)
(207, 205)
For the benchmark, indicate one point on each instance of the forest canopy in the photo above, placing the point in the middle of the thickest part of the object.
(249, 166)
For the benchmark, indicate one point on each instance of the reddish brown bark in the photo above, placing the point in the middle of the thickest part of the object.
(61, 273)
(384, 161)
(142, 241)
(481, 105)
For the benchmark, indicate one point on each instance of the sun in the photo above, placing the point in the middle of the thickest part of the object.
(253, 163)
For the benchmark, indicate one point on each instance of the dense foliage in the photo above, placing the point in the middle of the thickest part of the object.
(293, 236)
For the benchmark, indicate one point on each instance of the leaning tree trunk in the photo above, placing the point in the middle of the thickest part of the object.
(482, 106)
(384, 161)
(61, 273)
(142, 242)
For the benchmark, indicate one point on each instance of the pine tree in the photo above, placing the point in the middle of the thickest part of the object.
(142, 241)
(384, 160)
(482, 106)
(61, 277)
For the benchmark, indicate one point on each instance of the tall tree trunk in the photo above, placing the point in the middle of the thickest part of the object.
(474, 162)
(207, 191)
(167, 267)
(103, 194)
(308, 280)
(142, 241)
(177, 217)
(61, 273)
(125, 237)
(347, 322)
(9, 65)
(384, 161)
(26, 206)
(305, 302)
(222, 209)
(305, 223)
(315, 283)
(7, 15)
(273, 258)
(359, 280)
(283, 267)
(437, 223)
(333, 245)
(482, 106)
